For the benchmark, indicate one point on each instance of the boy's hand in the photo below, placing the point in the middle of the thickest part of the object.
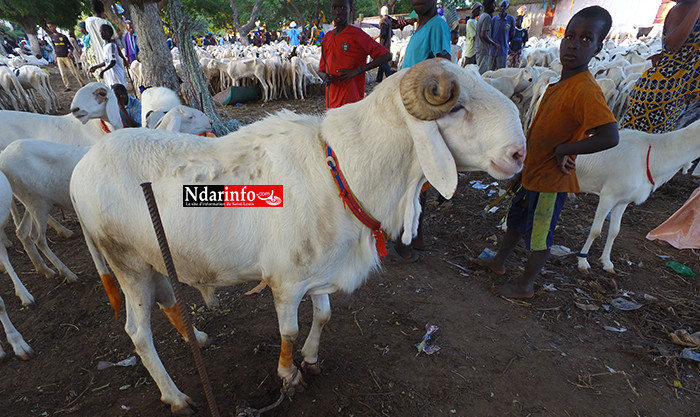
(514, 183)
(566, 162)
(346, 74)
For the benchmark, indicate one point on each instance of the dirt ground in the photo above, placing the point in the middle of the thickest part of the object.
(543, 357)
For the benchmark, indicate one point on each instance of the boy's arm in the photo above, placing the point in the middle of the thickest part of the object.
(604, 137)
(347, 74)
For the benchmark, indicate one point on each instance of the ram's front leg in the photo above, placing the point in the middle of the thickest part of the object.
(287, 307)
(322, 313)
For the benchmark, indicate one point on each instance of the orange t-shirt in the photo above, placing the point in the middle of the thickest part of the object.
(568, 111)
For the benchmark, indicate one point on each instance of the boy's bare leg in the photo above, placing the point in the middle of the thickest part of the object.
(524, 287)
(497, 264)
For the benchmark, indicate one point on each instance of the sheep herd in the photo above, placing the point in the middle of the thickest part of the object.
(387, 146)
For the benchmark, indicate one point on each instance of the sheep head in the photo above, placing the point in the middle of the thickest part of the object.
(96, 101)
(185, 119)
(457, 122)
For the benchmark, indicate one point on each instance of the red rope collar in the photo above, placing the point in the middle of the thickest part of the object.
(104, 126)
(651, 179)
(349, 200)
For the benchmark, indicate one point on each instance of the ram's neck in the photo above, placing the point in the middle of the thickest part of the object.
(377, 158)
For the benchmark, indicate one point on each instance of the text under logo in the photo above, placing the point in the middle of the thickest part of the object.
(232, 196)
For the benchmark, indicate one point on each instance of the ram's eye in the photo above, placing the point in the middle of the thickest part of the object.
(456, 108)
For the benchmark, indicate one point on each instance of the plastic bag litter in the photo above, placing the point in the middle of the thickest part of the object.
(681, 269)
(425, 344)
(615, 329)
(624, 305)
(126, 362)
(559, 250)
(486, 254)
(683, 338)
(587, 307)
(689, 353)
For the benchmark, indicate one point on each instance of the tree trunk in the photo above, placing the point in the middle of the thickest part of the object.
(194, 85)
(112, 16)
(294, 10)
(28, 25)
(154, 55)
(243, 30)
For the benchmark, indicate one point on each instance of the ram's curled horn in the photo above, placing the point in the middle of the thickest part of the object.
(428, 90)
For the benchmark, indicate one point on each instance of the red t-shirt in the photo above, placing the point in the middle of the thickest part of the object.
(347, 50)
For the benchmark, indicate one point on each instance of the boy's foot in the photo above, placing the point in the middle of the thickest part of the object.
(488, 264)
(511, 290)
(393, 257)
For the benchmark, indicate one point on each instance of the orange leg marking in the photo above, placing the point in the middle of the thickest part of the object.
(256, 290)
(286, 360)
(115, 299)
(175, 318)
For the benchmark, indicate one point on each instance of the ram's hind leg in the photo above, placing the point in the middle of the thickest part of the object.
(140, 287)
(165, 297)
(322, 314)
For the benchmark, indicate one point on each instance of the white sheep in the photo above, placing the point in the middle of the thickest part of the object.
(39, 172)
(34, 79)
(619, 184)
(155, 102)
(14, 338)
(427, 122)
(5, 208)
(17, 96)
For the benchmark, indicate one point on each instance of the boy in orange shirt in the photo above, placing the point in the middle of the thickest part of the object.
(572, 119)
(344, 54)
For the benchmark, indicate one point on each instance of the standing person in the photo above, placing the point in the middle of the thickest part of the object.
(385, 34)
(519, 40)
(64, 55)
(660, 98)
(502, 31)
(431, 40)
(483, 37)
(662, 93)
(571, 110)
(455, 49)
(93, 25)
(114, 64)
(77, 51)
(470, 50)
(293, 34)
(344, 57)
(131, 49)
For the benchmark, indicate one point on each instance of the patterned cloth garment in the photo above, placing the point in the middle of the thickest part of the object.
(663, 92)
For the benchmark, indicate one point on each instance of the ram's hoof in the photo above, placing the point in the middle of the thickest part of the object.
(311, 368)
(293, 383)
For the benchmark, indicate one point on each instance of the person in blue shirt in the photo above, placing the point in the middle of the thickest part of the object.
(129, 107)
(293, 34)
(502, 31)
(431, 40)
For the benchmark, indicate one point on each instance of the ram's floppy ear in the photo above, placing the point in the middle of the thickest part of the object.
(428, 92)
(112, 110)
(170, 121)
(435, 158)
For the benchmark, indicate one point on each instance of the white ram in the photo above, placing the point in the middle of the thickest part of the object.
(619, 184)
(427, 122)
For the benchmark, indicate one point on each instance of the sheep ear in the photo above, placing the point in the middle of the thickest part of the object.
(113, 115)
(435, 158)
(169, 123)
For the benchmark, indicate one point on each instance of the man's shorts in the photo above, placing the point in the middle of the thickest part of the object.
(534, 215)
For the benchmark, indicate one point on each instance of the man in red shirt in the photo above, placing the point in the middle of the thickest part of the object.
(344, 54)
